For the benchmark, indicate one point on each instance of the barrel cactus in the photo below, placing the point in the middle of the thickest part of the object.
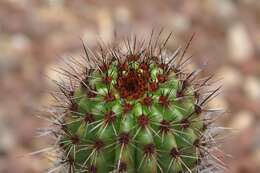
(133, 109)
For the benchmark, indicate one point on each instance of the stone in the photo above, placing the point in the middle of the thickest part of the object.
(239, 44)
(243, 120)
(219, 102)
(252, 87)
(222, 8)
(230, 77)
(105, 25)
(7, 141)
(179, 22)
(123, 14)
(20, 42)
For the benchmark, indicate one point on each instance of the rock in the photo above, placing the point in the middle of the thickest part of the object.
(20, 42)
(252, 87)
(219, 102)
(9, 61)
(123, 14)
(256, 148)
(222, 8)
(105, 25)
(89, 37)
(256, 155)
(230, 77)
(51, 71)
(258, 40)
(225, 9)
(56, 3)
(243, 120)
(249, 2)
(182, 23)
(179, 22)
(7, 141)
(239, 43)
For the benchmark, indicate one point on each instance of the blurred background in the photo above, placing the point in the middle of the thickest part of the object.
(34, 34)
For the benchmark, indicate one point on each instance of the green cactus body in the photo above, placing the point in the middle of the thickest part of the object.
(133, 113)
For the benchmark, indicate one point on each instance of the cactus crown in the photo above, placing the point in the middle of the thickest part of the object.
(133, 111)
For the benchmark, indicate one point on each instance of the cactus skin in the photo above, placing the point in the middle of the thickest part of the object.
(137, 111)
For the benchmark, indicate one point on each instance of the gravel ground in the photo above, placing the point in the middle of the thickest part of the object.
(34, 34)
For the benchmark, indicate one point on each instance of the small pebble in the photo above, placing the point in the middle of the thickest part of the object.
(222, 8)
(105, 25)
(7, 141)
(230, 77)
(243, 120)
(239, 43)
(252, 87)
(219, 102)
(123, 14)
(178, 22)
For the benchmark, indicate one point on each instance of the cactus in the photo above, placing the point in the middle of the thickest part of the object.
(133, 110)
